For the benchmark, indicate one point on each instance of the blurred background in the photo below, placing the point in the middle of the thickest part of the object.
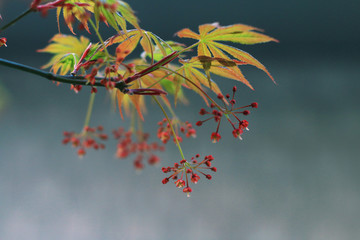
(294, 176)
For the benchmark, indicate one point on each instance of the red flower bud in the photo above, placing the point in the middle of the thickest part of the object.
(165, 180)
(203, 111)
(254, 105)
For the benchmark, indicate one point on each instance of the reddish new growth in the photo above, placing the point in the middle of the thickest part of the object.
(164, 132)
(44, 8)
(238, 126)
(2, 40)
(141, 148)
(191, 170)
(88, 138)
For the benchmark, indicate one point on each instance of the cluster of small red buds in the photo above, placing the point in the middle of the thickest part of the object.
(190, 170)
(111, 75)
(164, 132)
(238, 127)
(88, 138)
(141, 148)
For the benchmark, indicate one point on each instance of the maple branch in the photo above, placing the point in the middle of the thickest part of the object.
(16, 19)
(69, 79)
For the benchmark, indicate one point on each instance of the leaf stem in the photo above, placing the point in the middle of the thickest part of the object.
(89, 110)
(190, 47)
(69, 79)
(171, 126)
(16, 19)
(191, 82)
(99, 36)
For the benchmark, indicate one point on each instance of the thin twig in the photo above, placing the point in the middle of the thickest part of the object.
(69, 79)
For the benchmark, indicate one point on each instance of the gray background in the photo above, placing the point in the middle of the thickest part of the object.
(295, 175)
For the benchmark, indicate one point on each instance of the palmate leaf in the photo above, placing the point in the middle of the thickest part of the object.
(67, 51)
(128, 102)
(115, 13)
(219, 66)
(190, 72)
(75, 11)
(149, 41)
(158, 55)
(209, 37)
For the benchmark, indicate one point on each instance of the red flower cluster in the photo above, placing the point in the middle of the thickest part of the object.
(190, 170)
(85, 139)
(164, 132)
(126, 146)
(238, 127)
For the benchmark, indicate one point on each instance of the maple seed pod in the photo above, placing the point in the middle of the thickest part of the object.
(208, 176)
(234, 89)
(199, 123)
(183, 161)
(214, 169)
(220, 96)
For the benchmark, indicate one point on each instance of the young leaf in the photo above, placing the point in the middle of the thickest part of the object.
(158, 54)
(67, 51)
(115, 13)
(149, 42)
(131, 101)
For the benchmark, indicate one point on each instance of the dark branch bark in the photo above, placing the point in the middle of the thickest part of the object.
(69, 79)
